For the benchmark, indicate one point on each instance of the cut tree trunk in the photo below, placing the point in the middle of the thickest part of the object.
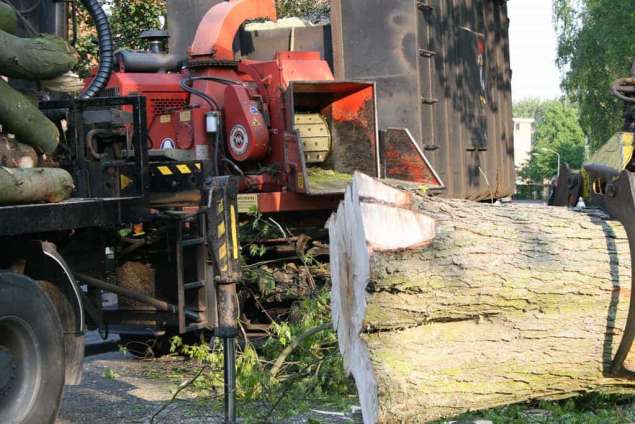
(16, 155)
(8, 18)
(35, 185)
(39, 58)
(21, 117)
(446, 306)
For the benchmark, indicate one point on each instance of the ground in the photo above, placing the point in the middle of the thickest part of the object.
(118, 388)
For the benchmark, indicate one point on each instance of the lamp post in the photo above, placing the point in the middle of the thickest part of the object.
(548, 150)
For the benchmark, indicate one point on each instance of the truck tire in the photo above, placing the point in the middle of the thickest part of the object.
(31, 353)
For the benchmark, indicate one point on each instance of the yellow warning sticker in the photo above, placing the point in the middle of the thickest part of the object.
(165, 170)
(124, 182)
(184, 169)
(165, 119)
(247, 203)
(234, 226)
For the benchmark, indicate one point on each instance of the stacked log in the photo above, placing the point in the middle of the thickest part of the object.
(444, 306)
(44, 57)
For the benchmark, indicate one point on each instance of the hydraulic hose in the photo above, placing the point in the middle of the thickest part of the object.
(106, 49)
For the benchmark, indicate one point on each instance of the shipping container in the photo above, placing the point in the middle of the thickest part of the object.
(443, 71)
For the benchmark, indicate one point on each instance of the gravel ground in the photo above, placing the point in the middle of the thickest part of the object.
(117, 388)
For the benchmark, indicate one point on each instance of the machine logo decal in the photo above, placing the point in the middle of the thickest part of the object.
(254, 110)
(168, 144)
(239, 139)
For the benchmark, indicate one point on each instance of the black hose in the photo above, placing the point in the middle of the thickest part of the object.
(185, 85)
(106, 49)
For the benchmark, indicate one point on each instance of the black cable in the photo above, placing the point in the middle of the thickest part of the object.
(185, 86)
(216, 79)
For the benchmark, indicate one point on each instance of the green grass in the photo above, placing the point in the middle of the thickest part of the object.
(587, 409)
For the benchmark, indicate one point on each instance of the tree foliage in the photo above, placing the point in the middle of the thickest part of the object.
(128, 18)
(595, 48)
(557, 129)
(313, 10)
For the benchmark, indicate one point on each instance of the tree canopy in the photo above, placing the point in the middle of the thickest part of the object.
(557, 129)
(595, 48)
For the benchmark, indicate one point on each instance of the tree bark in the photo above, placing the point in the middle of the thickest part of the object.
(446, 306)
(40, 58)
(21, 117)
(35, 185)
(16, 155)
(8, 18)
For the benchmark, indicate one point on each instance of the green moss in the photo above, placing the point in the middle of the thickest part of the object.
(328, 181)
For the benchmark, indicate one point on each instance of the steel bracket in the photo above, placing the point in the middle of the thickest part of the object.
(619, 201)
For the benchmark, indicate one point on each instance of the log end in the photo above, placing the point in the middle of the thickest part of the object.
(373, 217)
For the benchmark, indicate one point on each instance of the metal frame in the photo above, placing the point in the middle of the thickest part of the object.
(618, 198)
(81, 166)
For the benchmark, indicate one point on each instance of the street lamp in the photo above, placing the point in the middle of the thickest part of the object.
(547, 150)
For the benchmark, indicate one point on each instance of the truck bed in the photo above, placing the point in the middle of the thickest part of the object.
(68, 215)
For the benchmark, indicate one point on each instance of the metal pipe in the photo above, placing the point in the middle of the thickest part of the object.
(148, 300)
(229, 374)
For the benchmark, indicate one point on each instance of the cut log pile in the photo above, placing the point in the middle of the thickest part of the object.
(26, 131)
(444, 306)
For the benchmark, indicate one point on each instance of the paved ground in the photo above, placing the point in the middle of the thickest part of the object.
(117, 388)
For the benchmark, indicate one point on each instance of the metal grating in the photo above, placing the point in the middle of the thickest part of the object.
(166, 106)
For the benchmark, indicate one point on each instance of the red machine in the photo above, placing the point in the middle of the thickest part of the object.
(286, 125)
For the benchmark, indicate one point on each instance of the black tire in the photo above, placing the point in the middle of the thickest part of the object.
(31, 353)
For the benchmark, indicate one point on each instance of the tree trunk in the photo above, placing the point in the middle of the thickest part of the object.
(21, 117)
(16, 155)
(8, 19)
(40, 58)
(446, 306)
(35, 185)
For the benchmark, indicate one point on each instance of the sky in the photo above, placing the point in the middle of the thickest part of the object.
(533, 45)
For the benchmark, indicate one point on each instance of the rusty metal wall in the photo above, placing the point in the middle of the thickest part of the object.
(184, 16)
(433, 78)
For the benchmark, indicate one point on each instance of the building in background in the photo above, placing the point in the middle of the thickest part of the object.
(523, 136)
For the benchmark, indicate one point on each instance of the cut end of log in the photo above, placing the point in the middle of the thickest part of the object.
(373, 217)
(389, 223)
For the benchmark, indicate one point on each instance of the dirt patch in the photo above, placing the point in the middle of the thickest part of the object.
(120, 389)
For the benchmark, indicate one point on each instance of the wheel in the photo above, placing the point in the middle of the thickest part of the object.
(31, 353)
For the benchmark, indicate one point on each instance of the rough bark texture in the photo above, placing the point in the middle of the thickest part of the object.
(34, 185)
(444, 306)
(21, 117)
(8, 18)
(16, 155)
(40, 58)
